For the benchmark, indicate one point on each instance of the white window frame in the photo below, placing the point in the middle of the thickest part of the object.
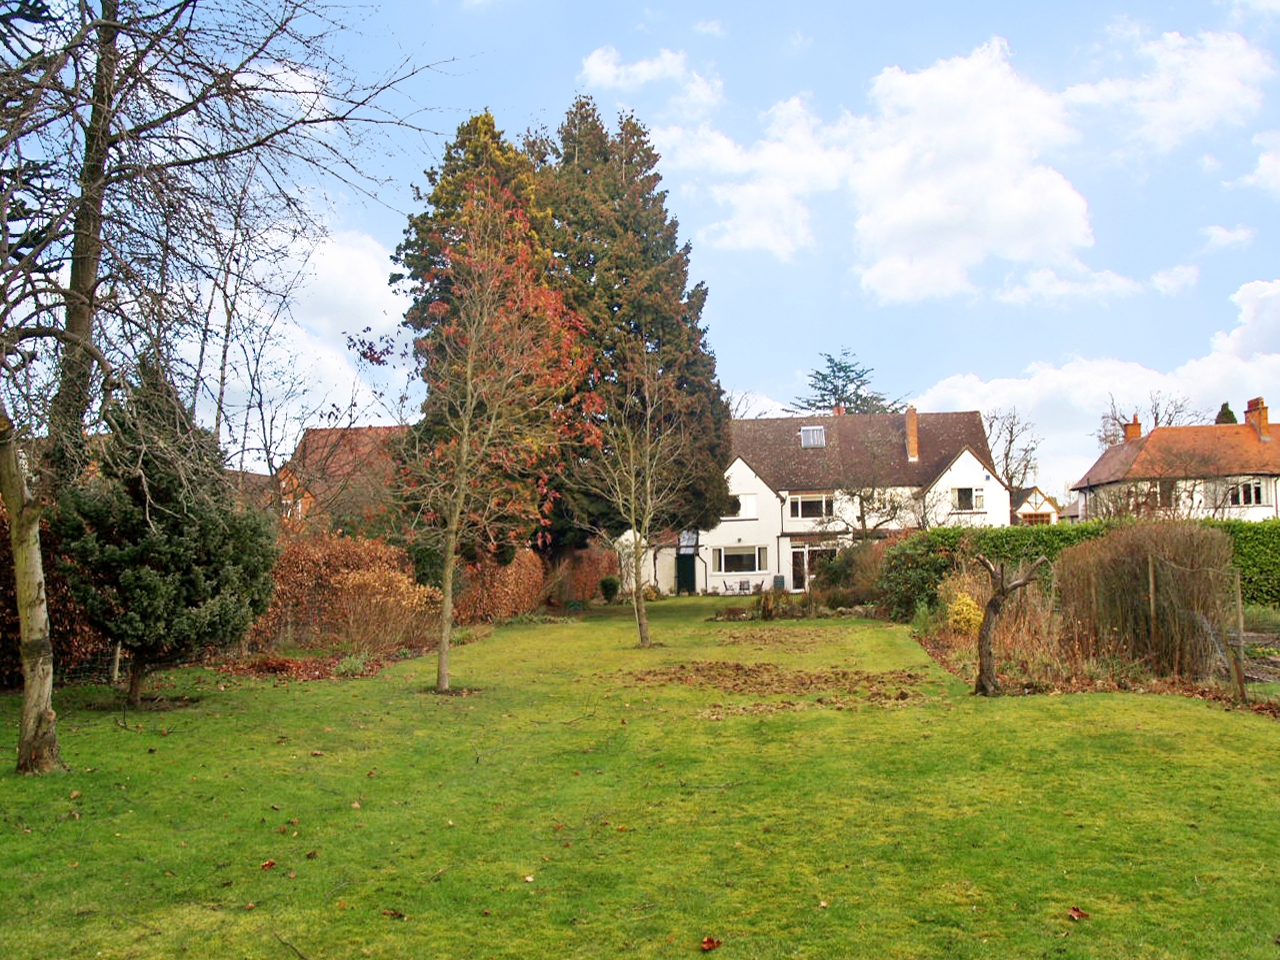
(759, 555)
(826, 509)
(812, 437)
(976, 499)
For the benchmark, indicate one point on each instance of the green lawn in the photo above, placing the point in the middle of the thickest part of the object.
(563, 809)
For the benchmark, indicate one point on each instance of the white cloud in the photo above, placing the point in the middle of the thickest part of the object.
(1220, 238)
(797, 158)
(603, 68)
(945, 174)
(1259, 329)
(1258, 6)
(1193, 85)
(1046, 285)
(1174, 280)
(1267, 174)
(712, 27)
(1066, 401)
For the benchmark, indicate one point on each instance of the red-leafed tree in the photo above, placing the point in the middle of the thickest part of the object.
(499, 352)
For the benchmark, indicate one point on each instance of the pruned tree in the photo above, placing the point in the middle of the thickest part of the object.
(843, 383)
(641, 470)
(1002, 589)
(1013, 442)
(498, 351)
(122, 120)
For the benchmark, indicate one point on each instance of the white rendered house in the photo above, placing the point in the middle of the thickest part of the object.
(807, 485)
(1222, 470)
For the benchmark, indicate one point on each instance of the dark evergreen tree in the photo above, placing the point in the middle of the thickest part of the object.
(843, 382)
(159, 554)
(1225, 414)
(620, 263)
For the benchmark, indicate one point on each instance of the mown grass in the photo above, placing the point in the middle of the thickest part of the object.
(406, 824)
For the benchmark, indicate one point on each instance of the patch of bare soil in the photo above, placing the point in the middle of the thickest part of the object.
(763, 679)
(290, 668)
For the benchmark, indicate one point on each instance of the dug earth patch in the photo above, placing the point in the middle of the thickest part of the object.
(838, 688)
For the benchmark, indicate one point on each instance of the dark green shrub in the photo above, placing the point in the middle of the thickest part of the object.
(159, 555)
(609, 587)
(912, 571)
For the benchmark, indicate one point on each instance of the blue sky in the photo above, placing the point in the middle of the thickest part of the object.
(992, 204)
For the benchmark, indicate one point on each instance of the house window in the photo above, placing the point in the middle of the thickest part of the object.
(813, 507)
(739, 559)
(966, 498)
(813, 436)
(746, 507)
(1037, 519)
(1250, 493)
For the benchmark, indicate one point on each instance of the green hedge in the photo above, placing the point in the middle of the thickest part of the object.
(914, 568)
(1257, 557)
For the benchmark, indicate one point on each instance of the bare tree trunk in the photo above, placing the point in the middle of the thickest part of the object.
(637, 593)
(446, 607)
(987, 684)
(137, 676)
(38, 750)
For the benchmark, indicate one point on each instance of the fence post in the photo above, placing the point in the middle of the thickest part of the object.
(1236, 666)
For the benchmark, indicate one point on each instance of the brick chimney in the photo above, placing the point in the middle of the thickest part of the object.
(913, 435)
(837, 411)
(1132, 431)
(1255, 415)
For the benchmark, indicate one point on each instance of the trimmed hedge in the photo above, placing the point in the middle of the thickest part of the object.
(1257, 557)
(913, 568)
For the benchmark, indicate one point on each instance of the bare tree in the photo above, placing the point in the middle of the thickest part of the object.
(1163, 410)
(122, 118)
(498, 351)
(640, 472)
(1013, 443)
(1001, 589)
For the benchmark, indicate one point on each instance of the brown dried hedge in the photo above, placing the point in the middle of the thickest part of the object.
(74, 641)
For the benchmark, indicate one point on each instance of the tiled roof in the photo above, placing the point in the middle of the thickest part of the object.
(345, 469)
(860, 449)
(1199, 452)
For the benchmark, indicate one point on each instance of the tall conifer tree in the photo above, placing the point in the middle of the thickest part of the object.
(622, 267)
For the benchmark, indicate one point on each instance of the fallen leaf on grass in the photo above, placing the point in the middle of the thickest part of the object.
(394, 914)
(268, 864)
(1075, 913)
(528, 879)
(710, 943)
(822, 904)
(355, 804)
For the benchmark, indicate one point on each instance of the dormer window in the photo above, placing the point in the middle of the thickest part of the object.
(813, 436)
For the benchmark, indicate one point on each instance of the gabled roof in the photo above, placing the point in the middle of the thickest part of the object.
(343, 470)
(1023, 494)
(1194, 453)
(859, 448)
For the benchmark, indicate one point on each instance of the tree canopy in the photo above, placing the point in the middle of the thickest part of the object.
(620, 263)
(841, 382)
